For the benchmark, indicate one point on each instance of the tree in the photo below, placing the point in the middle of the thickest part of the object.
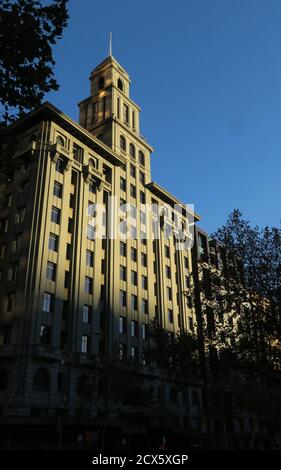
(28, 31)
(241, 301)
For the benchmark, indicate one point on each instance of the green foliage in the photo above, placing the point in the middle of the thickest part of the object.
(28, 31)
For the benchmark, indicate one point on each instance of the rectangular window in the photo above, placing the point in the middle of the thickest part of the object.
(122, 273)
(142, 178)
(20, 216)
(85, 344)
(118, 108)
(88, 285)
(87, 313)
(190, 323)
(53, 242)
(134, 302)
(90, 232)
(142, 197)
(144, 282)
(134, 328)
(121, 352)
(123, 298)
(144, 331)
(169, 293)
(91, 209)
(92, 187)
(126, 113)
(133, 171)
(123, 249)
(66, 279)
(134, 278)
(10, 302)
(142, 217)
(89, 258)
(133, 191)
(57, 189)
(186, 264)
(144, 306)
(122, 325)
(133, 119)
(47, 302)
(133, 254)
(167, 251)
(51, 271)
(77, 153)
(55, 215)
(144, 259)
(16, 243)
(45, 334)
(59, 166)
(2, 251)
(168, 272)
(122, 184)
(170, 316)
(134, 353)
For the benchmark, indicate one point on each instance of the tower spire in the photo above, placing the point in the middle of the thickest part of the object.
(110, 44)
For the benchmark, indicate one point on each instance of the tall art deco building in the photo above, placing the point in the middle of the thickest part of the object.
(90, 248)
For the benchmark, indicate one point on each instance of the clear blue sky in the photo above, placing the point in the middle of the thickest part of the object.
(207, 75)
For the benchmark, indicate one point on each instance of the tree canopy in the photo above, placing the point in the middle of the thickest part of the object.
(28, 31)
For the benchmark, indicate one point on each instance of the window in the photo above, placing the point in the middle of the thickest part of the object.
(144, 331)
(8, 200)
(168, 272)
(169, 293)
(59, 166)
(10, 302)
(186, 264)
(126, 113)
(143, 237)
(133, 232)
(142, 197)
(121, 352)
(189, 301)
(118, 108)
(167, 251)
(133, 120)
(134, 328)
(87, 314)
(2, 251)
(123, 143)
(89, 258)
(133, 171)
(77, 153)
(55, 215)
(133, 191)
(90, 232)
(134, 278)
(133, 254)
(144, 306)
(143, 217)
(53, 242)
(88, 285)
(57, 189)
(170, 316)
(144, 282)
(144, 259)
(12, 272)
(134, 353)
(123, 298)
(142, 178)
(91, 209)
(51, 271)
(120, 84)
(190, 323)
(141, 158)
(123, 273)
(134, 302)
(20, 216)
(85, 343)
(41, 380)
(132, 150)
(47, 302)
(122, 325)
(92, 187)
(122, 184)
(101, 83)
(60, 140)
(16, 243)
(123, 249)
(45, 334)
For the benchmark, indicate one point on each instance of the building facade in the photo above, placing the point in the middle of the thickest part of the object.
(91, 250)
